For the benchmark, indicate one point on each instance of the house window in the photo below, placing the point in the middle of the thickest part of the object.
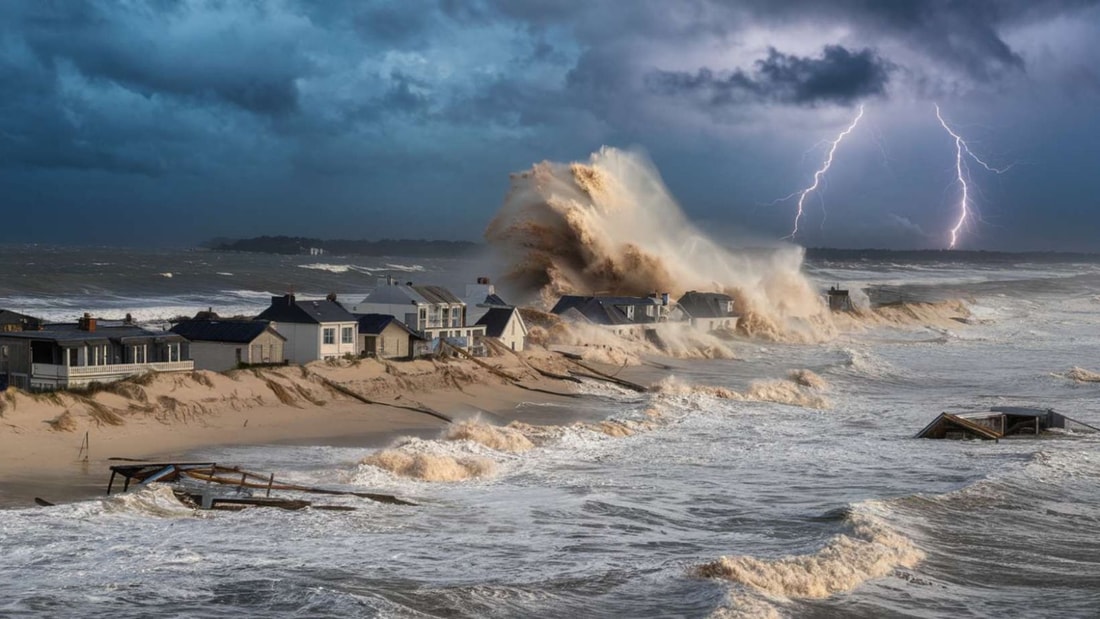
(630, 312)
(423, 316)
(329, 335)
(346, 336)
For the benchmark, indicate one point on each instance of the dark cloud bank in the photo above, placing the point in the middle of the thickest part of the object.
(179, 120)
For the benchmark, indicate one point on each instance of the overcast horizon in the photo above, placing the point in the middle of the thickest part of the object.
(155, 123)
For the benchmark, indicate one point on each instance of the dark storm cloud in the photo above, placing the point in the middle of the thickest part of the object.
(839, 77)
(251, 102)
(254, 70)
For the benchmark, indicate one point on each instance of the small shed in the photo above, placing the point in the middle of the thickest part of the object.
(384, 336)
(839, 299)
(220, 345)
(506, 324)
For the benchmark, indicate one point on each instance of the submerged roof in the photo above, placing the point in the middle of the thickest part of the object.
(999, 422)
(235, 331)
(288, 309)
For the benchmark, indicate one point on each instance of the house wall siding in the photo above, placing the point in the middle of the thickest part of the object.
(392, 343)
(303, 341)
(222, 356)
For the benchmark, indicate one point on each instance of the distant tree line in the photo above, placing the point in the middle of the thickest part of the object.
(384, 247)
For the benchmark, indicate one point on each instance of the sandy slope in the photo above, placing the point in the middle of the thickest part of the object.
(165, 415)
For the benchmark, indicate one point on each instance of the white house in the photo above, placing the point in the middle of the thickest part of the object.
(320, 329)
(432, 311)
(220, 345)
(507, 325)
(709, 311)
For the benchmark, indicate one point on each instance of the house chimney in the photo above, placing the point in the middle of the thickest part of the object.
(664, 298)
(484, 281)
(331, 297)
(86, 323)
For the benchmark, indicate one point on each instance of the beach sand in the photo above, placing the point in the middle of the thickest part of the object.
(166, 416)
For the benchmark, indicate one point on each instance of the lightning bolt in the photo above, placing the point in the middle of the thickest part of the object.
(962, 174)
(820, 173)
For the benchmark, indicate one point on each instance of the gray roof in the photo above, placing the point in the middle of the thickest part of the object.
(374, 324)
(438, 294)
(496, 319)
(705, 304)
(71, 334)
(599, 310)
(8, 317)
(232, 331)
(288, 309)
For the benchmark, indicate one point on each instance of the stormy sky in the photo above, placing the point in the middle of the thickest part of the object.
(164, 122)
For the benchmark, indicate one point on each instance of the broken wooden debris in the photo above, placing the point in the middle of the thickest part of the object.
(208, 473)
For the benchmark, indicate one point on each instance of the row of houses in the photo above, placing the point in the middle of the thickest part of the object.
(395, 321)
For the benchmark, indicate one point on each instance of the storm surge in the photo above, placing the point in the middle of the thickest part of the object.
(610, 226)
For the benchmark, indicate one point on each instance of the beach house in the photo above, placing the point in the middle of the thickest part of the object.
(64, 355)
(385, 337)
(314, 329)
(709, 311)
(621, 315)
(14, 321)
(434, 312)
(506, 325)
(220, 345)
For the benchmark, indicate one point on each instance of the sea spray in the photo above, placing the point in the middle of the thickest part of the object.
(1082, 375)
(611, 225)
(430, 467)
(872, 550)
(150, 500)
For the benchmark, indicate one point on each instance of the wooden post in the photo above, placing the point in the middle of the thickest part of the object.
(270, 482)
(84, 447)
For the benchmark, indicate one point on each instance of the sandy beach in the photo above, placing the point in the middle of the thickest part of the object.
(164, 417)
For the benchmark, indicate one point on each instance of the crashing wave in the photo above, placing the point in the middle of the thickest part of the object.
(872, 550)
(1082, 375)
(611, 225)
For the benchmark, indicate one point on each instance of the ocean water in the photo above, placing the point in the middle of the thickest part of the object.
(835, 512)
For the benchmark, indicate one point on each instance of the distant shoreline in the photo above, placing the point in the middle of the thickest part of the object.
(294, 245)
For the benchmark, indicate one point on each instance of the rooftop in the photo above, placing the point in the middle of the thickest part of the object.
(234, 331)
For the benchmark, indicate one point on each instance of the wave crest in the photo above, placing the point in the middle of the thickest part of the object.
(871, 551)
(1081, 375)
(430, 467)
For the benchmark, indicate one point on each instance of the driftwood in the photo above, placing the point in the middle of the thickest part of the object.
(506, 376)
(594, 374)
(364, 399)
